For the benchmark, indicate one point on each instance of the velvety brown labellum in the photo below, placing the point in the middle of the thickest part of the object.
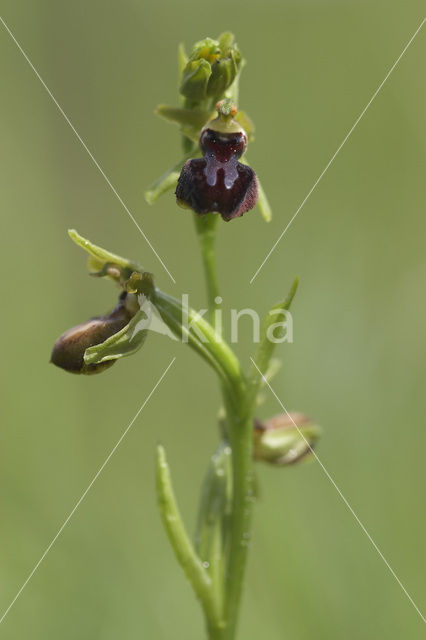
(68, 350)
(218, 182)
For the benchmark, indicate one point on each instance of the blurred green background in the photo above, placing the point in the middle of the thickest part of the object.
(358, 359)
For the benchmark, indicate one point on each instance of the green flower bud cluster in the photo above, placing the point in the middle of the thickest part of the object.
(211, 70)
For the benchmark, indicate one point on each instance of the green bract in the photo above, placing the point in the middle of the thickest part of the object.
(124, 343)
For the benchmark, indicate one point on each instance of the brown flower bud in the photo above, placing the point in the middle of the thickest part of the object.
(68, 350)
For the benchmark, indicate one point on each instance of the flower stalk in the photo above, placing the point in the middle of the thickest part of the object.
(206, 231)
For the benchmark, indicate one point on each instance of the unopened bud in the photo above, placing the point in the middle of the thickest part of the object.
(69, 348)
(284, 439)
(223, 74)
(211, 69)
(195, 80)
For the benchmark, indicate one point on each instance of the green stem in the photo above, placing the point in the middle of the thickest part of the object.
(216, 633)
(239, 409)
(206, 229)
(240, 425)
(191, 327)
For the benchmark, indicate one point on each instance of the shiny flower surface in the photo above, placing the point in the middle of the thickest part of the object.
(218, 182)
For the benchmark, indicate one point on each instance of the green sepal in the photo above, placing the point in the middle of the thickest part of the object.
(262, 200)
(226, 68)
(266, 347)
(99, 258)
(206, 49)
(168, 180)
(186, 117)
(190, 121)
(247, 124)
(263, 203)
(164, 183)
(182, 59)
(223, 73)
(124, 343)
(274, 366)
(195, 78)
(225, 41)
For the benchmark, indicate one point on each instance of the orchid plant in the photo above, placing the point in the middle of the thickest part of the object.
(214, 180)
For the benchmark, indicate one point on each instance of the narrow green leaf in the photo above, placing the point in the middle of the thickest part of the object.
(180, 542)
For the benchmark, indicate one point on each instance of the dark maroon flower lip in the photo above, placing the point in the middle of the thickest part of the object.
(207, 186)
(218, 182)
